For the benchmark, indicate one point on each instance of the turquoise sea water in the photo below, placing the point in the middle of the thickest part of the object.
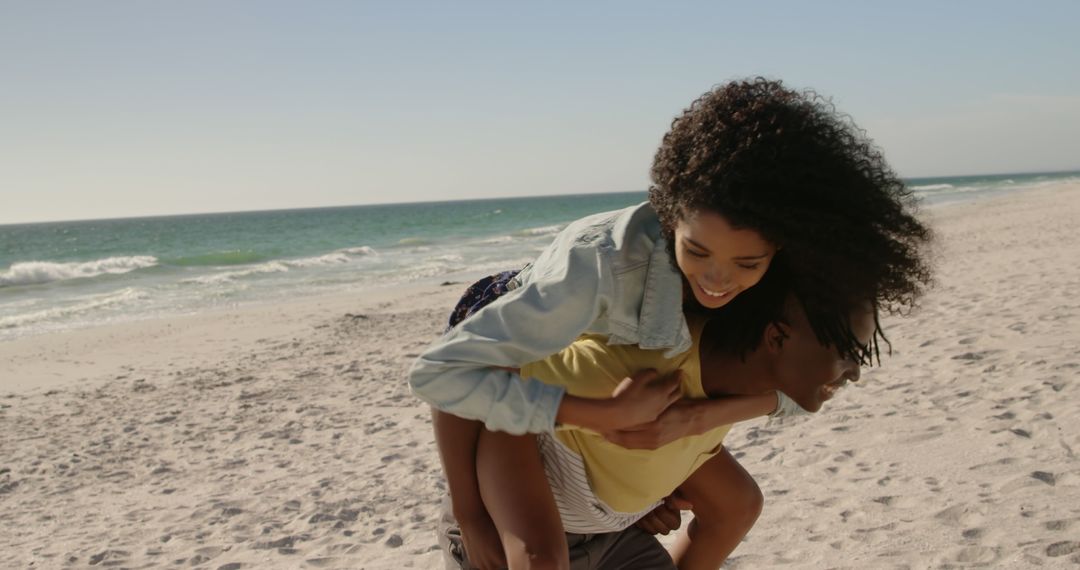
(63, 275)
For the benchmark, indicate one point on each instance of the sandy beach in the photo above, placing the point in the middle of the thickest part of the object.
(285, 436)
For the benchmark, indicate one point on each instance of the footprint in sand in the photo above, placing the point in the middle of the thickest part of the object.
(1058, 525)
(973, 533)
(932, 432)
(810, 458)
(1027, 481)
(963, 515)
(1045, 477)
(976, 555)
(110, 558)
(1062, 548)
(844, 456)
(973, 357)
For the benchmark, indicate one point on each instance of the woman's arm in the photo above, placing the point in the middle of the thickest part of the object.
(639, 398)
(568, 289)
(693, 417)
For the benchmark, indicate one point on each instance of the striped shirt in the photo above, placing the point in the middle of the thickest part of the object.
(580, 509)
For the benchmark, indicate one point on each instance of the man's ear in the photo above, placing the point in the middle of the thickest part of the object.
(776, 333)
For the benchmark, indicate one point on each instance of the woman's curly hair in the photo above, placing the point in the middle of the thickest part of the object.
(788, 165)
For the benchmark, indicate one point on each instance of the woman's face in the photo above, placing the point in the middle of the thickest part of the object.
(810, 372)
(718, 260)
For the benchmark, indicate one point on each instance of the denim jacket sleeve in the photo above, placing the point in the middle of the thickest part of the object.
(564, 293)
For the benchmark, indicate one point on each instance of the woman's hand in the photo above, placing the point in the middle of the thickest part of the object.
(483, 547)
(678, 420)
(641, 398)
(638, 399)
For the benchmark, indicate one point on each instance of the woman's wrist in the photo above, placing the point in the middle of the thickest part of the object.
(590, 413)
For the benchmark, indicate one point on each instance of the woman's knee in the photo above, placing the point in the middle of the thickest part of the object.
(746, 506)
(739, 509)
(752, 502)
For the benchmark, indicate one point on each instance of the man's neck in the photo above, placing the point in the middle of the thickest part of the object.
(728, 375)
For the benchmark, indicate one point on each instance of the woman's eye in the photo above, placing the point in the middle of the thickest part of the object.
(750, 266)
(697, 253)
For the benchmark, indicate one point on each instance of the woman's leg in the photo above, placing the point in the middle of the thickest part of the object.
(457, 440)
(727, 503)
(516, 493)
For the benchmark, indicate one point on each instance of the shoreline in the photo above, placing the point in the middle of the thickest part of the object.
(72, 304)
(67, 358)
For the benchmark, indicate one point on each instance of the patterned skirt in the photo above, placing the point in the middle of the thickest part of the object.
(480, 295)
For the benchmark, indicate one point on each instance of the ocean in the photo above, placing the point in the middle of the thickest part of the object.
(65, 275)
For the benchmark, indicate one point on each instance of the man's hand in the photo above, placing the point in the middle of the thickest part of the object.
(641, 398)
(667, 517)
(482, 544)
(675, 422)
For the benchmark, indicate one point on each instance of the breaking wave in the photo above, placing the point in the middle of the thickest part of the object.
(39, 272)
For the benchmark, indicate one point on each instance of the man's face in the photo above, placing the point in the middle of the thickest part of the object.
(811, 373)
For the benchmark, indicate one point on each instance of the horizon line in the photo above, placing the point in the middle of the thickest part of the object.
(355, 205)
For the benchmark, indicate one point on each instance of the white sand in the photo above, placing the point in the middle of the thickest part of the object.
(284, 436)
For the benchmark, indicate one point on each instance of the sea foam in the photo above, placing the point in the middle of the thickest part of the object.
(82, 305)
(38, 272)
(932, 187)
(218, 258)
(328, 259)
(540, 231)
(279, 266)
(218, 278)
(361, 250)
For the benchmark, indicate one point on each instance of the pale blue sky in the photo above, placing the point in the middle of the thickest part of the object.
(126, 108)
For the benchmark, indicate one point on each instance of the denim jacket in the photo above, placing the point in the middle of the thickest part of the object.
(606, 274)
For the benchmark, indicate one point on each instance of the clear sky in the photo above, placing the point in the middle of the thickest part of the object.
(126, 108)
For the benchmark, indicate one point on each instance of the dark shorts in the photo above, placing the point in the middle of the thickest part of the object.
(631, 549)
(479, 295)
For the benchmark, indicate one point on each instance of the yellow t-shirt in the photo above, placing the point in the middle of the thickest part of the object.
(628, 480)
